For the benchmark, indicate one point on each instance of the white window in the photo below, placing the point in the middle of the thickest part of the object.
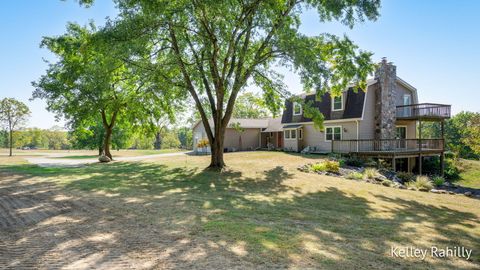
(291, 134)
(337, 103)
(333, 133)
(300, 134)
(297, 108)
(406, 99)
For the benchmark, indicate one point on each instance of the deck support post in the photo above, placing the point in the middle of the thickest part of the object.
(442, 156)
(420, 147)
(394, 163)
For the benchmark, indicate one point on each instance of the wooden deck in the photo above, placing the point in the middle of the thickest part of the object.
(389, 148)
(423, 111)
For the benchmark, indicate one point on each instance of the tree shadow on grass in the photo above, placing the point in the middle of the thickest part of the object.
(148, 215)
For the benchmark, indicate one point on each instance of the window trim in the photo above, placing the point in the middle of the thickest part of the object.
(289, 132)
(293, 131)
(341, 103)
(300, 134)
(406, 131)
(409, 99)
(333, 132)
(293, 108)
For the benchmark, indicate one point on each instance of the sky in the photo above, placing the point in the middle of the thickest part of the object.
(434, 44)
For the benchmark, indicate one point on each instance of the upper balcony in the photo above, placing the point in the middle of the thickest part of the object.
(425, 111)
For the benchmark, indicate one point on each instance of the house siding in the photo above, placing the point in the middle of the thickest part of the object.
(411, 128)
(315, 138)
(366, 128)
(401, 91)
(250, 137)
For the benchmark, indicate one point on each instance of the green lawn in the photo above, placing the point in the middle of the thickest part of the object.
(261, 211)
(470, 175)
(86, 154)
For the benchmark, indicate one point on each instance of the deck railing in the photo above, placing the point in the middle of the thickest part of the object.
(423, 110)
(387, 145)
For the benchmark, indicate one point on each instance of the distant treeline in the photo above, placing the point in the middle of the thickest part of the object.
(462, 134)
(57, 139)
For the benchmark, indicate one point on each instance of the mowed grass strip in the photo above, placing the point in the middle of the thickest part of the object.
(262, 210)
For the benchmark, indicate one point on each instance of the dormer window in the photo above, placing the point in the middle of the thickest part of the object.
(337, 103)
(297, 108)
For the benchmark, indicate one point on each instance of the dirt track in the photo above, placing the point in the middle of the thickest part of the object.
(44, 227)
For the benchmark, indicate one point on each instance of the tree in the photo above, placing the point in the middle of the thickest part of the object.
(3, 138)
(170, 140)
(460, 134)
(185, 136)
(90, 81)
(13, 113)
(472, 138)
(213, 49)
(248, 105)
(88, 135)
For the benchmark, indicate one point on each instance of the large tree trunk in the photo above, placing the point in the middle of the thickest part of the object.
(106, 142)
(108, 132)
(11, 141)
(216, 147)
(100, 150)
(158, 141)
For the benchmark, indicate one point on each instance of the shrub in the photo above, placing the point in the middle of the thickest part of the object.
(203, 143)
(326, 166)
(334, 156)
(406, 176)
(370, 163)
(451, 172)
(355, 175)
(318, 167)
(354, 162)
(341, 162)
(332, 166)
(422, 183)
(438, 181)
(370, 173)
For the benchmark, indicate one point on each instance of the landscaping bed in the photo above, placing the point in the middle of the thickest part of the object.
(355, 169)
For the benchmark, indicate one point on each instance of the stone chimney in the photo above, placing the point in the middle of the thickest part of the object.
(385, 93)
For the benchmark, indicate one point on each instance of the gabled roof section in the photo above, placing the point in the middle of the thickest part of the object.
(274, 125)
(409, 87)
(353, 107)
(249, 123)
(244, 123)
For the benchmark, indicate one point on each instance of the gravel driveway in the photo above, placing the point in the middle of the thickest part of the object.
(56, 160)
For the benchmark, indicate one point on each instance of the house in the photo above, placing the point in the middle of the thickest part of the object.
(385, 121)
(240, 135)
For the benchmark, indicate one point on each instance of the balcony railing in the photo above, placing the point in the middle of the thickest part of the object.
(388, 146)
(423, 110)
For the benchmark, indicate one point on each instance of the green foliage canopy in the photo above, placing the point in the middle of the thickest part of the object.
(214, 49)
(91, 81)
(13, 113)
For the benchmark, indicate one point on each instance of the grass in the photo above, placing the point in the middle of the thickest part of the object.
(370, 173)
(262, 210)
(470, 175)
(86, 154)
(422, 183)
